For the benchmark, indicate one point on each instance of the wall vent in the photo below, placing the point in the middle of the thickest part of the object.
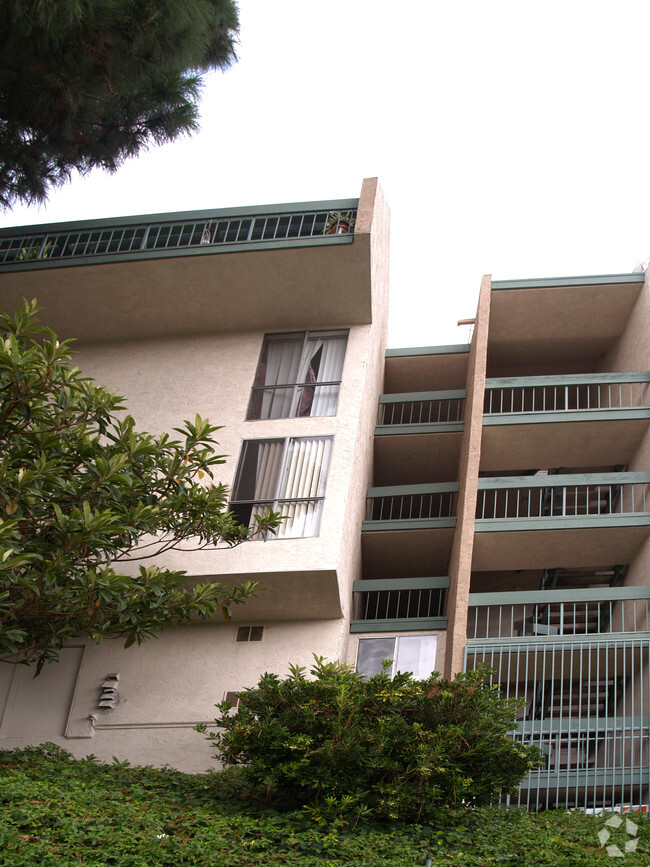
(250, 633)
(108, 695)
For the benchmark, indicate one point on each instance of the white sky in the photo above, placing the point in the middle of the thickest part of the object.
(510, 138)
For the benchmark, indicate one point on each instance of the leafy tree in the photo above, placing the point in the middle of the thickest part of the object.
(87, 84)
(80, 488)
(381, 748)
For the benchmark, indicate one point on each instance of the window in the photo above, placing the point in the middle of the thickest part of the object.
(287, 475)
(298, 375)
(414, 653)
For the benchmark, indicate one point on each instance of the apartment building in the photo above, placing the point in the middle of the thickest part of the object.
(479, 503)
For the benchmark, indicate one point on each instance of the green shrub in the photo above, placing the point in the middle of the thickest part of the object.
(385, 749)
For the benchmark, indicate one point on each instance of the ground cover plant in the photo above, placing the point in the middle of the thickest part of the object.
(381, 747)
(58, 812)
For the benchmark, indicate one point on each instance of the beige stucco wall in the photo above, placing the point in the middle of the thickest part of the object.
(165, 687)
(632, 350)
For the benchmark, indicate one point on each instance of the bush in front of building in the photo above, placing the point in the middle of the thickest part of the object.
(382, 748)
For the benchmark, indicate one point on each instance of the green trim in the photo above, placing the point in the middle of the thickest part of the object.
(532, 597)
(429, 428)
(408, 524)
(585, 778)
(181, 216)
(572, 522)
(452, 349)
(559, 481)
(406, 624)
(580, 724)
(408, 490)
(551, 643)
(548, 282)
(368, 586)
(494, 419)
(420, 396)
(567, 379)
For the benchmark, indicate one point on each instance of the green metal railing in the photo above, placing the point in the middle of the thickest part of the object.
(585, 706)
(166, 234)
(435, 502)
(422, 408)
(588, 393)
(571, 496)
(404, 603)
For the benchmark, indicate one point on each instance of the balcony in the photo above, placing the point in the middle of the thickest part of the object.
(421, 412)
(399, 605)
(558, 614)
(236, 269)
(411, 507)
(603, 515)
(409, 529)
(168, 235)
(577, 420)
(404, 450)
(579, 660)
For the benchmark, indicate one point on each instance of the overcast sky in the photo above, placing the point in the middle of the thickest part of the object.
(510, 138)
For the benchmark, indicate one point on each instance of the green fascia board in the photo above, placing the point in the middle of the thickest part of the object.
(406, 624)
(408, 524)
(552, 643)
(552, 282)
(368, 586)
(585, 778)
(559, 481)
(408, 490)
(533, 597)
(383, 430)
(451, 349)
(178, 252)
(180, 216)
(566, 415)
(572, 522)
(568, 379)
(580, 724)
(420, 396)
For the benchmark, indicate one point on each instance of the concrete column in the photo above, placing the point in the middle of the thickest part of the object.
(460, 561)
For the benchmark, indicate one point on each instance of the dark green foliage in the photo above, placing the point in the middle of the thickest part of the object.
(79, 489)
(58, 812)
(376, 747)
(87, 84)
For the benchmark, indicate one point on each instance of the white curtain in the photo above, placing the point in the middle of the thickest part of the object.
(279, 368)
(321, 400)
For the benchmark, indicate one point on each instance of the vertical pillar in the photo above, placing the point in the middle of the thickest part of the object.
(460, 561)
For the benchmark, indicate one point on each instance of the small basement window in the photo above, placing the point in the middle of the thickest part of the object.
(250, 633)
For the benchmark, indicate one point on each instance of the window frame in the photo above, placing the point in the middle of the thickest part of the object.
(397, 639)
(297, 387)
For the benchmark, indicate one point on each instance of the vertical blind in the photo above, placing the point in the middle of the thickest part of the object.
(286, 475)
